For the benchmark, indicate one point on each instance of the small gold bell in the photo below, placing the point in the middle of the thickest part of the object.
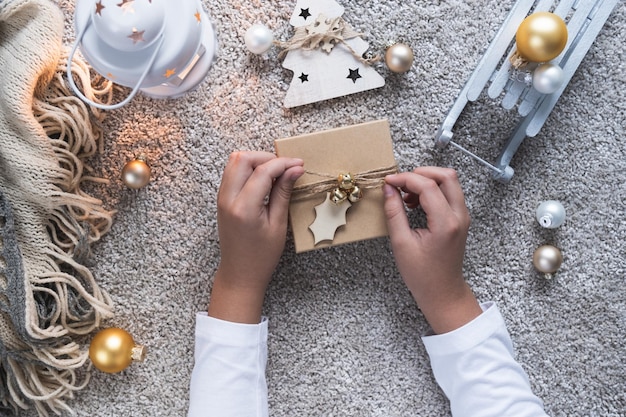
(338, 196)
(346, 182)
(355, 194)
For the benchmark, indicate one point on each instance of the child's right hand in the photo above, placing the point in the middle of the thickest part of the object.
(430, 260)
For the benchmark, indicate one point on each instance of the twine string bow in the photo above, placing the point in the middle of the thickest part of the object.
(374, 178)
(323, 33)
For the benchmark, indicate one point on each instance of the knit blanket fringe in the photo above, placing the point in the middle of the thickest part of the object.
(49, 299)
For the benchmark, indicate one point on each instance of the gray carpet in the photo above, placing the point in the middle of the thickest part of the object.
(344, 331)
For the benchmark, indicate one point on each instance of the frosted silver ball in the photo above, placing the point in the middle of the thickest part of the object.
(259, 39)
(548, 78)
(550, 214)
(399, 57)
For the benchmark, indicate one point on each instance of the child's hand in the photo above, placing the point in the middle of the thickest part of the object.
(430, 260)
(252, 212)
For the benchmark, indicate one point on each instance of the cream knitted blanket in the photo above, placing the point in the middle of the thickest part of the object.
(49, 299)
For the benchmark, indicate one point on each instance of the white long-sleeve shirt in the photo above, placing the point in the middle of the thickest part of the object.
(474, 366)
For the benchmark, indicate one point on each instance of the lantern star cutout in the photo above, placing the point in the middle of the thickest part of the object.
(137, 36)
(354, 75)
(127, 6)
(304, 77)
(328, 218)
(305, 13)
(99, 7)
(169, 72)
(197, 16)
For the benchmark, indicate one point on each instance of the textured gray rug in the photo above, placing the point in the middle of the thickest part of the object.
(344, 332)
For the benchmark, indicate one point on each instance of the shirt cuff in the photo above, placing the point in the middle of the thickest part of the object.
(230, 333)
(467, 336)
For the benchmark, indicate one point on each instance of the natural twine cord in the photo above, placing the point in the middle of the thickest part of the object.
(324, 33)
(374, 178)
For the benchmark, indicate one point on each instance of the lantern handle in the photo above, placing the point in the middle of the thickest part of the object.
(133, 92)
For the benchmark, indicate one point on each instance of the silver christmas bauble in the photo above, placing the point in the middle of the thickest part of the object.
(399, 57)
(548, 78)
(547, 259)
(550, 214)
(259, 39)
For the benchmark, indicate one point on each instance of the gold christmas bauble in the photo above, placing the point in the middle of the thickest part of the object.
(399, 57)
(547, 259)
(113, 349)
(136, 173)
(541, 37)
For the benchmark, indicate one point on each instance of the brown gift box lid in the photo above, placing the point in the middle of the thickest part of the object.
(355, 149)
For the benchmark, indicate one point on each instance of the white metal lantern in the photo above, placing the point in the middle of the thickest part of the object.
(162, 48)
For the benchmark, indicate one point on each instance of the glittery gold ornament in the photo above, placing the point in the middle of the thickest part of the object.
(113, 349)
(542, 36)
(399, 57)
(547, 259)
(136, 173)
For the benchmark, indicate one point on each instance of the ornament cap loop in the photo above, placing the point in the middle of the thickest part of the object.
(138, 353)
(546, 220)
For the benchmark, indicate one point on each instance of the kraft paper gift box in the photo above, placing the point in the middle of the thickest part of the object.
(354, 149)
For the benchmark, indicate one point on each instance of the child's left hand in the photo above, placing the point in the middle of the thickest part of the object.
(252, 211)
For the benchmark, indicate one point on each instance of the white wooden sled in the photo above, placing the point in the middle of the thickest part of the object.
(584, 19)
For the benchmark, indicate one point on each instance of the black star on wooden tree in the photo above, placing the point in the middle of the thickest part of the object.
(354, 75)
(304, 77)
(305, 13)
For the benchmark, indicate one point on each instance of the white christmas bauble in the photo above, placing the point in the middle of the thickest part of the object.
(547, 78)
(550, 214)
(259, 39)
